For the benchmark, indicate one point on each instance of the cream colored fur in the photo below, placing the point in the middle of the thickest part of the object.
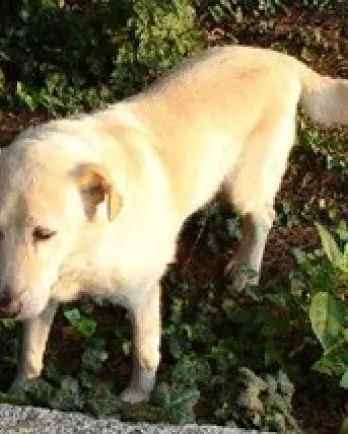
(113, 188)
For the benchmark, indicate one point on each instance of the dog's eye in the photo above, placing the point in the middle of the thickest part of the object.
(42, 234)
(1, 235)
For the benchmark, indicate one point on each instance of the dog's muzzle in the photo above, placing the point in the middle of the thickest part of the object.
(9, 308)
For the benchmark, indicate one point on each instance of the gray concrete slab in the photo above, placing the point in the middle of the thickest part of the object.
(21, 420)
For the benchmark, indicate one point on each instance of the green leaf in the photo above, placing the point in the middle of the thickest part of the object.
(38, 390)
(180, 410)
(82, 324)
(344, 427)
(329, 245)
(344, 380)
(8, 323)
(177, 403)
(327, 318)
(102, 402)
(161, 394)
(68, 396)
(25, 96)
(7, 398)
(87, 379)
(191, 371)
(332, 365)
(93, 359)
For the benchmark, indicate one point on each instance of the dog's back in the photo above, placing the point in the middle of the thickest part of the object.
(230, 114)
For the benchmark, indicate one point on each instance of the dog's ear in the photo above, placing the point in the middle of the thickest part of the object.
(96, 186)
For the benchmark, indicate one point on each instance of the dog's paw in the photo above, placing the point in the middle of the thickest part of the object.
(134, 395)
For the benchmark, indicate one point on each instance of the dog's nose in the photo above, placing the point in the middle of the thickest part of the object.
(5, 297)
(9, 308)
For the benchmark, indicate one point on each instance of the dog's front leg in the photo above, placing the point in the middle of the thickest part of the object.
(35, 337)
(146, 331)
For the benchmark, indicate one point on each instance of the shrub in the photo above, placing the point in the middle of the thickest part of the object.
(60, 56)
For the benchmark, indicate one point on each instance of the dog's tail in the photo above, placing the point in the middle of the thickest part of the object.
(323, 98)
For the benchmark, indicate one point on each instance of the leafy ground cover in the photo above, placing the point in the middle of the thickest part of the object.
(272, 357)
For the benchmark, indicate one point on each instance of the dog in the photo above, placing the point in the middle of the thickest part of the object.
(94, 204)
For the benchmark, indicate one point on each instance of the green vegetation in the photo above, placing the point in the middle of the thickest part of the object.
(62, 56)
(251, 359)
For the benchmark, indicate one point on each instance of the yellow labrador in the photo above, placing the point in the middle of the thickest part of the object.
(94, 204)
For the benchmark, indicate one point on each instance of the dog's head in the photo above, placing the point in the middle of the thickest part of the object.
(51, 206)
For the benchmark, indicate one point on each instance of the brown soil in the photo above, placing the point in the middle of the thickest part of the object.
(13, 122)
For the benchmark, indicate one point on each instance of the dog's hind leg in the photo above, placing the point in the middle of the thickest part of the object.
(244, 268)
(36, 333)
(146, 342)
(251, 188)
